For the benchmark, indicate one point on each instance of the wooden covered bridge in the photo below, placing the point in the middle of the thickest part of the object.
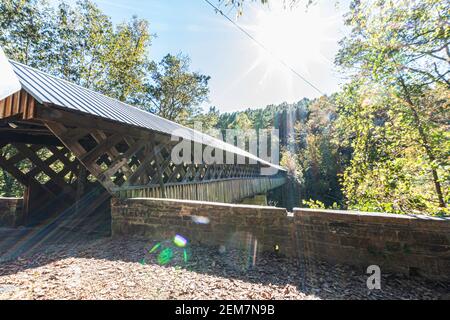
(70, 146)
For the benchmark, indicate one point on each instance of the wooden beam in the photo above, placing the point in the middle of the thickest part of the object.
(8, 107)
(42, 166)
(12, 170)
(145, 165)
(102, 148)
(77, 149)
(2, 108)
(24, 100)
(12, 137)
(123, 159)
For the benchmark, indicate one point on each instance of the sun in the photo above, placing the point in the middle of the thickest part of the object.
(292, 37)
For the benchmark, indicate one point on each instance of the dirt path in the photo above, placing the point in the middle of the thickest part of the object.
(80, 268)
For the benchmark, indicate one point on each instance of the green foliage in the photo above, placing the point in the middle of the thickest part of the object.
(176, 92)
(381, 144)
(208, 120)
(263, 118)
(9, 187)
(24, 29)
(390, 169)
(316, 204)
(320, 152)
(241, 122)
(403, 38)
(394, 113)
(78, 43)
(290, 161)
(128, 62)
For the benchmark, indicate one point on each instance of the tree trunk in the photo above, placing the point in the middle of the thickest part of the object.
(425, 144)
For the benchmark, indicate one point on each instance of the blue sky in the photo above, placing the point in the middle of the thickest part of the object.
(242, 74)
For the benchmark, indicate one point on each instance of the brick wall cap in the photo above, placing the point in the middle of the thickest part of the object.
(374, 214)
(209, 203)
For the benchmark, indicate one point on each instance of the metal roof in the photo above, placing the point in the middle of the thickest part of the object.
(50, 90)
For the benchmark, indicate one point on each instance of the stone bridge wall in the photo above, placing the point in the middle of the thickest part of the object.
(397, 243)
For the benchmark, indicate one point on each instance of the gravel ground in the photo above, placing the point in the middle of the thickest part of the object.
(119, 269)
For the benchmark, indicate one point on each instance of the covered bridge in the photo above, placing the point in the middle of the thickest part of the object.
(71, 147)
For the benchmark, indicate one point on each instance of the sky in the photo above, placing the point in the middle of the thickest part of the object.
(244, 75)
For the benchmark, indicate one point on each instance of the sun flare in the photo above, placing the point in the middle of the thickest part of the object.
(294, 36)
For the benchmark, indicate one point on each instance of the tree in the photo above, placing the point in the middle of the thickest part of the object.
(241, 122)
(208, 120)
(10, 187)
(128, 62)
(175, 92)
(261, 119)
(407, 40)
(319, 152)
(80, 44)
(291, 163)
(398, 57)
(25, 29)
(77, 43)
(239, 4)
(90, 52)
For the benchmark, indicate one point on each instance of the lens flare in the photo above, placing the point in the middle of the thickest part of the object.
(155, 247)
(240, 252)
(180, 241)
(200, 219)
(165, 256)
(175, 252)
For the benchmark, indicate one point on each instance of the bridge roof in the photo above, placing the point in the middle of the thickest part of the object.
(53, 91)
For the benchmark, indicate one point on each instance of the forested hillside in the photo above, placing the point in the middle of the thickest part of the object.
(309, 145)
(383, 142)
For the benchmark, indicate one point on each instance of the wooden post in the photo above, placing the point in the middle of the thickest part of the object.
(160, 174)
(80, 187)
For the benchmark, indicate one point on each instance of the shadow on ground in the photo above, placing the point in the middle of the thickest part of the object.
(28, 248)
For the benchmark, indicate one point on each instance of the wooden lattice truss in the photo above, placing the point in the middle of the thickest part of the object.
(121, 160)
(112, 154)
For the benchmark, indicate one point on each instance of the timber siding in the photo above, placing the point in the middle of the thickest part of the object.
(220, 190)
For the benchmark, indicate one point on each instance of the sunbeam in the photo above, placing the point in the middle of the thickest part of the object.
(294, 37)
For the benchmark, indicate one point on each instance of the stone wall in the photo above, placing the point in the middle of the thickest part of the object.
(413, 245)
(162, 219)
(11, 212)
(397, 243)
